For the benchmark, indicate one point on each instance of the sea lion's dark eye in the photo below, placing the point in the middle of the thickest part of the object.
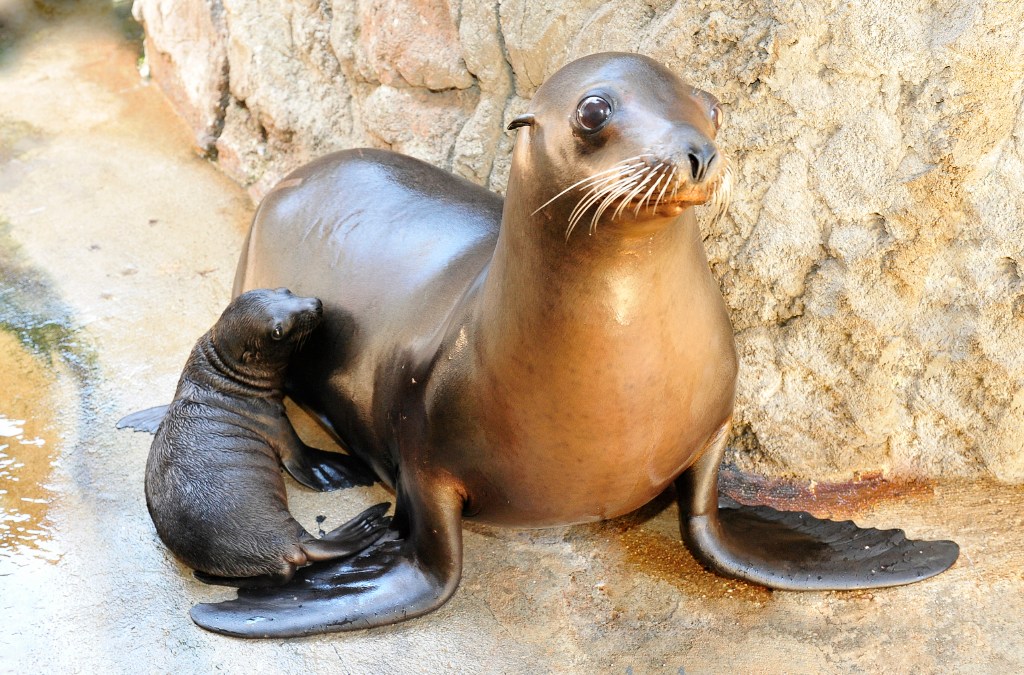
(277, 333)
(717, 117)
(593, 112)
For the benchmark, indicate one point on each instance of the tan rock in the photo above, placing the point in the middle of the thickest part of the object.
(185, 48)
(873, 255)
(409, 44)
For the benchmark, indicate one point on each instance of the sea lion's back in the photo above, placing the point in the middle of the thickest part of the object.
(364, 214)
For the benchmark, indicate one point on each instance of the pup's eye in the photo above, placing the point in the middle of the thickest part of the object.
(593, 112)
(277, 333)
(717, 117)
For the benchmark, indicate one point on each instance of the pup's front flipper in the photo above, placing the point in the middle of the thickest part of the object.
(389, 582)
(326, 471)
(319, 469)
(147, 420)
(794, 550)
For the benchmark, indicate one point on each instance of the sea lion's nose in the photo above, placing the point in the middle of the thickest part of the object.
(700, 159)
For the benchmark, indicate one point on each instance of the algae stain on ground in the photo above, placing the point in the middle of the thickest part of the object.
(31, 311)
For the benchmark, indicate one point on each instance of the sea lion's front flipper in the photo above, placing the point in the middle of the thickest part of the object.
(319, 469)
(391, 581)
(794, 550)
(147, 420)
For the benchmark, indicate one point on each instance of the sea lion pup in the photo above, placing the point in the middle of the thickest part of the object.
(560, 356)
(213, 483)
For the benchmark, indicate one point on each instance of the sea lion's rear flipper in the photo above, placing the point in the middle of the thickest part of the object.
(794, 550)
(147, 420)
(391, 581)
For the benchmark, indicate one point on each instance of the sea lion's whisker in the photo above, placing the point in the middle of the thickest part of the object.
(608, 201)
(625, 201)
(595, 196)
(661, 195)
(650, 193)
(607, 183)
(721, 195)
(596, 178)
(639, 176)
(617, 167)
(632, 195)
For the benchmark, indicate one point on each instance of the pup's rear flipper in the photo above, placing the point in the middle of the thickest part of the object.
(147, 420)
(353, 537)
(794, 550)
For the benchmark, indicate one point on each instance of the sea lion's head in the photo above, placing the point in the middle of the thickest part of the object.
(618, 139)
(262, 328)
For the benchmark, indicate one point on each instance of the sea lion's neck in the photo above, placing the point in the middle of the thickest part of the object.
(618, 338)
(541, 286)
(210, 368)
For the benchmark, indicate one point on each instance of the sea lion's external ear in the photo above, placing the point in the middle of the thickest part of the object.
(524, 120)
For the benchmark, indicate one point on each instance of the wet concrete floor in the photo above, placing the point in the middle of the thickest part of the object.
(117, 249)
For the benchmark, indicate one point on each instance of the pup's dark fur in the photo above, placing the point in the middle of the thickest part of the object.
(213, 481)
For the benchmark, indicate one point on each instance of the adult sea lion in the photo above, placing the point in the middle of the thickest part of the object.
(213, 483)
(558, 358)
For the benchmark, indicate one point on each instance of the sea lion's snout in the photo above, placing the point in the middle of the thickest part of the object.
(305, 314)
(701, 158)
(698, 173)
(310, 309)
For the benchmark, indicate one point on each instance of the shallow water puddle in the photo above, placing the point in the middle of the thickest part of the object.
(28, 448)
(37, 348)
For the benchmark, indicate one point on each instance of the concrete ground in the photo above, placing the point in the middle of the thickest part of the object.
(117, 250)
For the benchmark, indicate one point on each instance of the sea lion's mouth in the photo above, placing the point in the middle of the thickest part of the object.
(647, 185)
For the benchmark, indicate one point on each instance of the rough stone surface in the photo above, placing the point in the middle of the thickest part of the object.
(117, 250)
(872, 258)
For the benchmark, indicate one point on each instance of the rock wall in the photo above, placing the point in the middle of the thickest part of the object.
(873, 258)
